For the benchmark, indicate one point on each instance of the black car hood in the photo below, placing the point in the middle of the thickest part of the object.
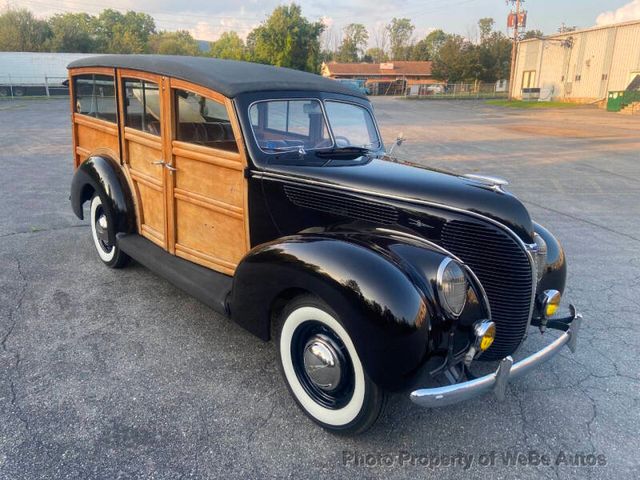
(416, 183)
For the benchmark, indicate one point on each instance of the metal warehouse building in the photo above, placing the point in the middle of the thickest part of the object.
(579, 66)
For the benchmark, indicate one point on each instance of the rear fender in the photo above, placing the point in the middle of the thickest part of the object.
(103, 176)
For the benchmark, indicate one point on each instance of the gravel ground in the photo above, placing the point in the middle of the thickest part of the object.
(117, 374)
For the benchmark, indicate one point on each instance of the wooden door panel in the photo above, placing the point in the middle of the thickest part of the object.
(152, 217)
(205, 179)
(143, 153)
(208, 236)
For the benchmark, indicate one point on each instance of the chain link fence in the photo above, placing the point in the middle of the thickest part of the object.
(403, 88)
(32, 86)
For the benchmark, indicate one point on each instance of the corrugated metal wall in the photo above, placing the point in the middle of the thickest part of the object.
(31, 68)
(598, 60)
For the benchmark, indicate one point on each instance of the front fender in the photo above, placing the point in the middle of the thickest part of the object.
(102, 175)
(555, 270)
(380, 288)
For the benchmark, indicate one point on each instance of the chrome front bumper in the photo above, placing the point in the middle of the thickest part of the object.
(507, 370)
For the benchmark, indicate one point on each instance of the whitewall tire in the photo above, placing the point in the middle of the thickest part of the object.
(101, 221)
(323, 370)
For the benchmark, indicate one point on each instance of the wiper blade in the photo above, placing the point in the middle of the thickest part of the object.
(347, 149)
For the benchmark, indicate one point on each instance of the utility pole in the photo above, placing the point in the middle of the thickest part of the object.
(514, 47)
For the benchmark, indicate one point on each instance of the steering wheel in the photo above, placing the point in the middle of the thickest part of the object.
(342, 141)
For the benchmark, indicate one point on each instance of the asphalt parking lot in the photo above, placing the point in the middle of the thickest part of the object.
(117, 374)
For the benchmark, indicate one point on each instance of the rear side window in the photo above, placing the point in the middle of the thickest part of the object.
(95, 96)
(202, 121)
(142, 105)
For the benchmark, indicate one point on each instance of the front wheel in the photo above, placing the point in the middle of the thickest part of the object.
(110, 254)
(322, 369)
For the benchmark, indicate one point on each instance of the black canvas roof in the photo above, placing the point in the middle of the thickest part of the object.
(228, 77)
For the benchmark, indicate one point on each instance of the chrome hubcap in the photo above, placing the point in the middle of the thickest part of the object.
(102, 229)
(322, 363)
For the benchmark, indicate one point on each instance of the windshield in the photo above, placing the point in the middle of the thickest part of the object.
(352, 125)
(280, 125)
(289, 124)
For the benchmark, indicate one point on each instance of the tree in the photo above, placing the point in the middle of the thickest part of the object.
(20, 31)
(353, 43)
(229, 45)
(457, 60)
(375, 55)
(400, 32)
(71, 32)
(128, 33)
(428, 47)
(494, 53)
(485, 25)
(287, 39)
(173, 43)
(532, 34)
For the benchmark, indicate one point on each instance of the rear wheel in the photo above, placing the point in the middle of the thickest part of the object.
(101, 221)
(322, 369)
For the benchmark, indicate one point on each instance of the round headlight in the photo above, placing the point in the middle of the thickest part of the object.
(452, 287)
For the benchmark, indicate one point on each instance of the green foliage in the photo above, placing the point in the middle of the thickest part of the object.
(71, 32)
(400, 31)
(287, 39)
(229, 46)
(123, 33)
(457, 60)
(375, 55)
(20, 31)
(173, 43)
(532, 34)
(428, 47)
(353, 43)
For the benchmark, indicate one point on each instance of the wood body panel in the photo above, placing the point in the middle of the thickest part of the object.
(197, 211)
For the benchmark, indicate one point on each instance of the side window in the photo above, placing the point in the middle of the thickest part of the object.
(142, 105)
(95, 96)
(203, 121)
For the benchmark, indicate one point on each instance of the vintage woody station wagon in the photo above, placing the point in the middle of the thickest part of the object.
(267, 194)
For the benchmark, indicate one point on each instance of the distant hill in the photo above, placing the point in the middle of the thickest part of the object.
(203, 45)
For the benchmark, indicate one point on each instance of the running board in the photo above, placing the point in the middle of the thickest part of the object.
(208, 286)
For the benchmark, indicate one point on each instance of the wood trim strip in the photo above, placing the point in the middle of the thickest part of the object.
(208, 151)
(211, 159)
(147, 180)
(154, 235)
(139, 75)
(97, 70)
(216, 205)
(205, 92)
(201, 257)
(82, 151)
(143, 138)
(96, 123)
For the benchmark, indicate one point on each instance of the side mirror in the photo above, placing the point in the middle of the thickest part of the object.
(399, 141)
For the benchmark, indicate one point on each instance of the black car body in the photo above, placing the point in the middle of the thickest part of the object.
(368, 239)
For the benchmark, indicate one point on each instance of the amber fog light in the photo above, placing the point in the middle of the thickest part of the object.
(485, 334)
(549, 302)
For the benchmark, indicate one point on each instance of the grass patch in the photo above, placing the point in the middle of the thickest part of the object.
(536, 104)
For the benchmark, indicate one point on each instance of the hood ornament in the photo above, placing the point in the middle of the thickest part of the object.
(496, 183)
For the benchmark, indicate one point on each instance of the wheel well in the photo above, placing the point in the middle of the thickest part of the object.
(280, 302)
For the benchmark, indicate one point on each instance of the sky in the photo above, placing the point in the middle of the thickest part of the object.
(207, 19)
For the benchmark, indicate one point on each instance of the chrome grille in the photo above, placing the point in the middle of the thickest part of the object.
(341, 204)
(504, 270)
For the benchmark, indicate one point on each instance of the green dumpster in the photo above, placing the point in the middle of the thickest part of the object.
(615, 102)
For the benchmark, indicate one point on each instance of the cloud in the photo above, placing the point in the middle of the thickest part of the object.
(630, 11)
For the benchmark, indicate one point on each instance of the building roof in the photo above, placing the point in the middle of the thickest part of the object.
(229, 77)
(584, 30)
(378, 69)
